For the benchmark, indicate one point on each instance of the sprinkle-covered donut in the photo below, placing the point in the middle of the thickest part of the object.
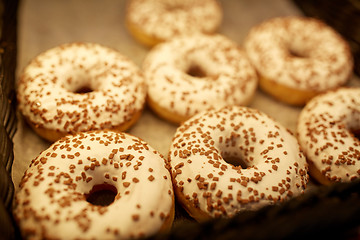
(190, 74)
(152, 22)
(224, 161)
(52, 202)
(328, 132)
(80, 87)
(298, 58)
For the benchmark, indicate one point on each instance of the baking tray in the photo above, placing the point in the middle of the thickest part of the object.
(42, 24)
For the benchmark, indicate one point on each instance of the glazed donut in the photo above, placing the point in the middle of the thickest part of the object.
(190, 74)
(52, 202)
(152, 22)
(235, 158)
(298, 58)
(327, 130)
(80, 87)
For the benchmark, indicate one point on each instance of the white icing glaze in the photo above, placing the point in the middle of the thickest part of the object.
(229, 80)
(276, 168)
(51, 202)
(325, 59)
(165, 19)
(46, 90)
(324, 132)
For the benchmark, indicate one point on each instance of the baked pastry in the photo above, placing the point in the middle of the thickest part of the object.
(298, 57)
(328, 130)
(151, 22)
(53, 200)
(80, 87)
(191, 74)
(233, 159)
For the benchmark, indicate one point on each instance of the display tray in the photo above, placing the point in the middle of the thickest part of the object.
(42, 24)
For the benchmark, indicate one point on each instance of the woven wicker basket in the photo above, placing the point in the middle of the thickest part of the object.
(7, 114)
(329, 212)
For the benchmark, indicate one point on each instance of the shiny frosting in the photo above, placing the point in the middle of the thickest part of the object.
(325, 133)
(47, 89)
(229, 77)
(51, 202)
(301, 53)
(275, 168)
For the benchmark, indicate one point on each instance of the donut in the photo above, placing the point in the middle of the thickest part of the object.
(297, 58)
(328, 132)
(80, 87)
(190, 74)
(52, 202)
(151, 22)
(233, 159)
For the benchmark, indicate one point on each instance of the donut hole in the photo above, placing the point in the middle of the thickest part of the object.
(297, 54)
(236, 161)
(353, 126)
(80, 83)
(83, 90)
(101, 195)
(195, 70)
(356, 133)
(297, 50)
(171, 5)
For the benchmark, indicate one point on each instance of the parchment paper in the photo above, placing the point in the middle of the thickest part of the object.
(44, 24)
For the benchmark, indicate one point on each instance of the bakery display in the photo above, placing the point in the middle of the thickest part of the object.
(329, 210)
(234, 159)
(298, 58)
(191, 74)
(80, 87)
(328, 131)
(53, 200)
